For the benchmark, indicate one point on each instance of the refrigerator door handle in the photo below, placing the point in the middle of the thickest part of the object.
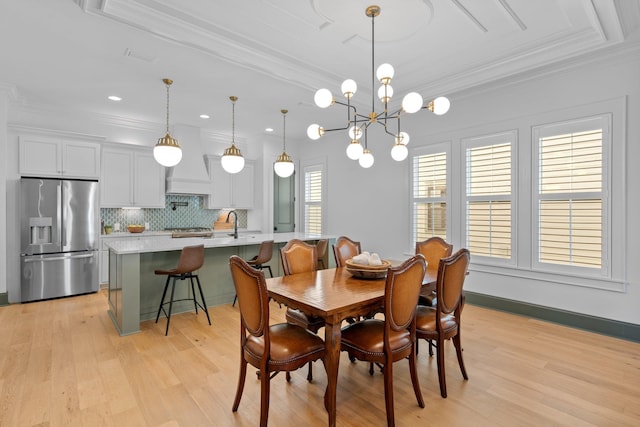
(62, 236)
(58, 258)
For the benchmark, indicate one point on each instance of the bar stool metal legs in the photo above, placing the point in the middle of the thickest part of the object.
(191, 259)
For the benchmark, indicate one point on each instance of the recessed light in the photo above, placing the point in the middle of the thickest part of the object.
(114, 98)
(204, 116)
(268, 130)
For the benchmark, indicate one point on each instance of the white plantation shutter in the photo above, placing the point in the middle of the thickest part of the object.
(429, 196)
(313, 198)
(489, 195)
(569, 197)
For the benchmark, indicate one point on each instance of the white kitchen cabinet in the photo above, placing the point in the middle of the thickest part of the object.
(131, 178)
(230, 190)
(52, 157)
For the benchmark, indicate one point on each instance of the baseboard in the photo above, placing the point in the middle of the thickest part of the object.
(4, 299)
(627, 331)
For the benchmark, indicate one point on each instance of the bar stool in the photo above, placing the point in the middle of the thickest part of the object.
(265, 252)
(191, 259)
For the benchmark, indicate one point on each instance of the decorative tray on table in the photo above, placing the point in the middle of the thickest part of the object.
(362, 271)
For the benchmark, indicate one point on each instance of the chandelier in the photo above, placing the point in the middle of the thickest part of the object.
(358, 124)
(283, 165)
(167, 151)
(232, 160)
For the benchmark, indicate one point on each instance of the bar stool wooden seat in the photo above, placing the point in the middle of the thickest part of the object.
(191, 259)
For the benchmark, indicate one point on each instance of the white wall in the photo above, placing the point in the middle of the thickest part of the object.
(373, 206)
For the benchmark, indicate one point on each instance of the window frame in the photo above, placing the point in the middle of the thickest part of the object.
(444, 147)
(468, 143)
(601, 121)
(312, 166)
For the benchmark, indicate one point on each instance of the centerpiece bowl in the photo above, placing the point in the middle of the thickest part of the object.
(362, 271)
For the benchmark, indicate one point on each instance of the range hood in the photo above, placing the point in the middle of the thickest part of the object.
(190, 176)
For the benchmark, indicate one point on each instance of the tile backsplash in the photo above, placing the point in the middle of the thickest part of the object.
(179, 212)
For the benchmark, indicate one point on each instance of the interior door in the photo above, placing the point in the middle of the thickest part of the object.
(284, 204)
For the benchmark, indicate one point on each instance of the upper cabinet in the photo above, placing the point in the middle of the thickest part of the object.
(230, 190)
(50, 157)
(131, 178)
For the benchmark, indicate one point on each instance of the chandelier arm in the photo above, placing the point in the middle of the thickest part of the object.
(331, 130)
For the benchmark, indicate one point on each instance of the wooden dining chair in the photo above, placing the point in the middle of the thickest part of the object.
(321, 251)
(345, 249)
(300, 257)
(433, 249)
(442, 322)
(265, 253)
(270, 348)
(394, 338)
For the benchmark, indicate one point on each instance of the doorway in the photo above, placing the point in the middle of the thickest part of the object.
(284, 201)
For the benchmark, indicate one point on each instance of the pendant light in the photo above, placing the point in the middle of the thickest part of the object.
(232, 160)
(358, 123)
(284, 164)
(167, 151)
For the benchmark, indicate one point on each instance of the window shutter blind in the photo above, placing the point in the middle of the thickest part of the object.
(489, 200)
(570, 199)
(429, 196)
(313, 201)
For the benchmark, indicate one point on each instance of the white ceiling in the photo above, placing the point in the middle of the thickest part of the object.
(70, 55)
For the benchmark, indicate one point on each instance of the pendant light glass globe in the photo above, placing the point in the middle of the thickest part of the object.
(323, 98)
(354, 150)
(167, 153)
(232, 160)
(366, 161)
(349, 88)
(440, 105)
(283, 166)
(412, 102)
(315, 131)
(384, 73)
(402, 138)
(399, 152)
(385, 92)
(355, 132)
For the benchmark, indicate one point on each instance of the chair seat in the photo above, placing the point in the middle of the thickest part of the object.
(172, 272)
(296, 317)
(427, 297)
(291, 347)
(426, 321)
(367, 336)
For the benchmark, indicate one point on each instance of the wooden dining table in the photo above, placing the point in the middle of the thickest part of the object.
(335, 295)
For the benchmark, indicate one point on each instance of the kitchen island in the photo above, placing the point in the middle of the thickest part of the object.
(135, 291)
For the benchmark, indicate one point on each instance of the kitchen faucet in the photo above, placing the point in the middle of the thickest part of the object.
(235, 224)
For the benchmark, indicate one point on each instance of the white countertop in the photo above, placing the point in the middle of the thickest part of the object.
(152, 244)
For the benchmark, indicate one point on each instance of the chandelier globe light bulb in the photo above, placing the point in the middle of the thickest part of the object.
(366, 160)
(323, 98)
(354, 150)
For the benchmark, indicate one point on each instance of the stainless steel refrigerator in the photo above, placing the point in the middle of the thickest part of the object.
(60, 231)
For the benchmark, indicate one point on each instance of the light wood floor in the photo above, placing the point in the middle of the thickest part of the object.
(62, 363)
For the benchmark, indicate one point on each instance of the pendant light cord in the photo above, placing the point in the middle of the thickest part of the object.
(233, 122)
(167, 108)
(284, 131)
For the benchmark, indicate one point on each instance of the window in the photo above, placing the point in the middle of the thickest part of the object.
(489, 197)
(429, 207)
(313, 198)
(570, 177)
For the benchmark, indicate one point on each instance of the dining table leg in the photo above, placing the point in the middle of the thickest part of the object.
(332, 343)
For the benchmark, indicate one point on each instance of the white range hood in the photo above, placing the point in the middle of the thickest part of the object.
(190, 175)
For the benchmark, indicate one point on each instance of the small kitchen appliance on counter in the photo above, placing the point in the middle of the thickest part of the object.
(60, 231)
